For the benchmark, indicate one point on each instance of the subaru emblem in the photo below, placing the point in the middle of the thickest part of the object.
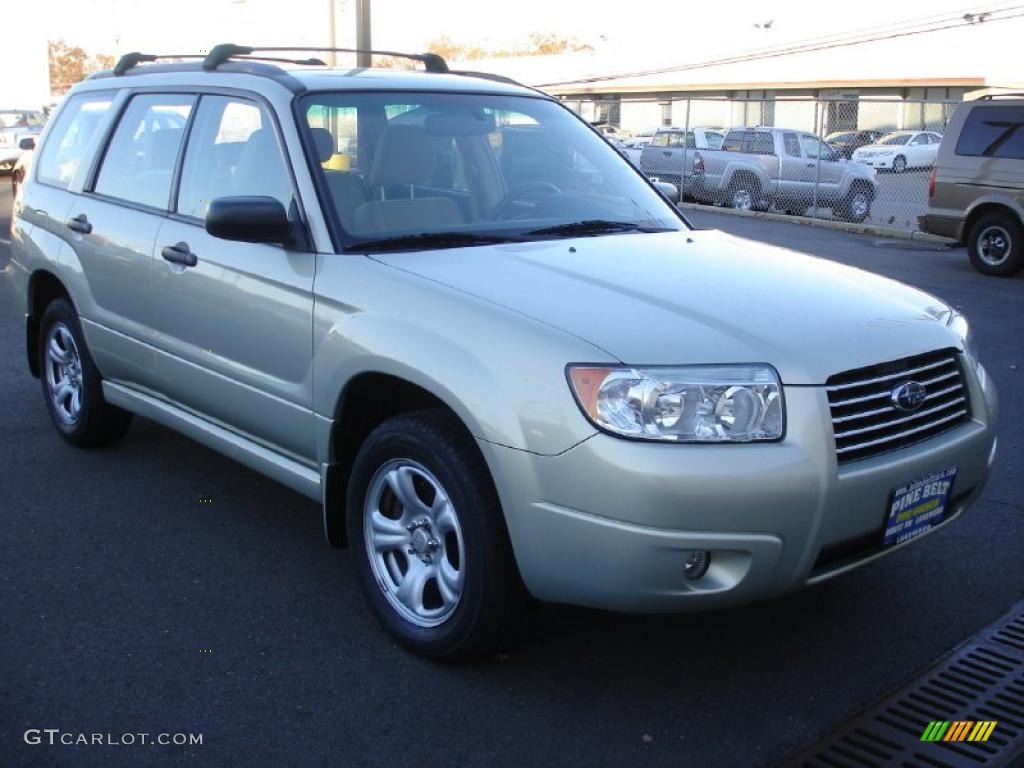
(908, 396)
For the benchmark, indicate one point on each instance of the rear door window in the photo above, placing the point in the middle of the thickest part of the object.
(993, 131)
(139, 163)
(753, 142)
(69, 138)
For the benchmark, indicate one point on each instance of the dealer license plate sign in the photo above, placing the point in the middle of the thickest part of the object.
(917, 506)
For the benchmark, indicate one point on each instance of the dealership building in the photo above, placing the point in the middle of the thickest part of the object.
(907, 82)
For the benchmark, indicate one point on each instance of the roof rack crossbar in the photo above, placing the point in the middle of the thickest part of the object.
(226, 51)
(133, 59)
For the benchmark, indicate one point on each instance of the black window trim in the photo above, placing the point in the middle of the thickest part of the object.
(304, 243)
(89, 188)
(340, 239)
(112, 93)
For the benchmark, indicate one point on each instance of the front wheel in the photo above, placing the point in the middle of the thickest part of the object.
(899, 164)
(72, 386)
(996, 245)
(429, 538)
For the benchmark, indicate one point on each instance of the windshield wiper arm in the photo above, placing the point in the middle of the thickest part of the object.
(431, 240)
(595, 227)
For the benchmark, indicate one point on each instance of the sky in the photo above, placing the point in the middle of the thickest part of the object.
(684, 31)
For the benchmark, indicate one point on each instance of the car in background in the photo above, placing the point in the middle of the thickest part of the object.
(17, 125)
(641, 138)
(663, 157)
(845, 142)
(976, 192)
(759, 168)
(900, 150)
(20, 170)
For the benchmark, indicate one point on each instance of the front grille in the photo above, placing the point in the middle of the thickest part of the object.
(865, 421)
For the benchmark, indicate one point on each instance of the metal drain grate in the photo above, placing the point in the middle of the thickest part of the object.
(981, 681)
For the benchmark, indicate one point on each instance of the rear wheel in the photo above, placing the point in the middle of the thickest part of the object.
(429, 537)
(72, 386)
(745, 195)
(996, 244)
(856, 206)
(899, 164)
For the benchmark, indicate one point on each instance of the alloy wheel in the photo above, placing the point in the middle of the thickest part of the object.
(742, 199)
(414, 542)
(64, 374)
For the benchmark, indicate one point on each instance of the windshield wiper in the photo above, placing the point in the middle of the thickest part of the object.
(595, 227)
(430, 240)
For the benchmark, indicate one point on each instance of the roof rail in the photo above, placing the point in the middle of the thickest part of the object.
(133, 59)
(227, 51)
(1010, 95)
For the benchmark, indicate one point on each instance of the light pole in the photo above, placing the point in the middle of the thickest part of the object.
(332, 41)
(363, 33)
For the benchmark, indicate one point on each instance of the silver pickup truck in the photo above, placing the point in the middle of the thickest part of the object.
(758, 168)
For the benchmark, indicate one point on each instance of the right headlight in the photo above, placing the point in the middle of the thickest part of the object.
(959, 325)
(707, 403)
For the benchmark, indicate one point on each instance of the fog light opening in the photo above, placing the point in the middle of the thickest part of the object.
(697, 564)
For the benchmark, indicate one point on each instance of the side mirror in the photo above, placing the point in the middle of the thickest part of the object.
(668, 190)
(27, 143)
(249, 220)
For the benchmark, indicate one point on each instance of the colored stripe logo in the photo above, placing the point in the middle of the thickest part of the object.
(958, 730)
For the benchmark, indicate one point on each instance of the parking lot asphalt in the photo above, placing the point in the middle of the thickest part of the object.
(158, 587)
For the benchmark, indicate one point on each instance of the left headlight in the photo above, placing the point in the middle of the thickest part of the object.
(959, 325)
(707, 403)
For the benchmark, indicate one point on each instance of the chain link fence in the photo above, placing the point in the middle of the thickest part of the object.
(854, 159)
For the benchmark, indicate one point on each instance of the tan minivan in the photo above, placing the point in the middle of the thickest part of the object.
(976, 193)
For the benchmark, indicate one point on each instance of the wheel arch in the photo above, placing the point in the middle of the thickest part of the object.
(984, 207)
(43, 287)
(367, 400)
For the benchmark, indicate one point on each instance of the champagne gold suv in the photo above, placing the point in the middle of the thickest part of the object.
(448, 310)
(976, 192)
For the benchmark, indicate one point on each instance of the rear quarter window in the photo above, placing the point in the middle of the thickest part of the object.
(70, 137)
(993, 131)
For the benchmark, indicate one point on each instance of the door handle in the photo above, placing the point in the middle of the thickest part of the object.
(810, 165)
(179, 253)
(667, 154)
(80, 224)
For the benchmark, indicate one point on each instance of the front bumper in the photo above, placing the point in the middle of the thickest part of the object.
(10, 155)
(875, 162)
(610, 522)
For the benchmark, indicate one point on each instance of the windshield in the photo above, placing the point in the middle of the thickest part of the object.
(442, 169)
(20, 119)
(895, 138)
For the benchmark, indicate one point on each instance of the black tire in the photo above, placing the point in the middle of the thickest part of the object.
(437, 442)
(856, 206)
(995, 244)
(96, 422)
(899, 164)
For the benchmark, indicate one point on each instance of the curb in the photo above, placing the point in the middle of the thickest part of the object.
(840, 226)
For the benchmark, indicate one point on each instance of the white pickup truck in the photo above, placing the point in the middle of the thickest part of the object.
(758, 168)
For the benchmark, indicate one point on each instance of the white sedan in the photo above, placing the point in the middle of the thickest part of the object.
(900, 150)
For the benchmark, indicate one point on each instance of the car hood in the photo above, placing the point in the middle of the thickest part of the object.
(698, 297)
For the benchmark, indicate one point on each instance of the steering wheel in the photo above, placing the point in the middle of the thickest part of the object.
(530, 192)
